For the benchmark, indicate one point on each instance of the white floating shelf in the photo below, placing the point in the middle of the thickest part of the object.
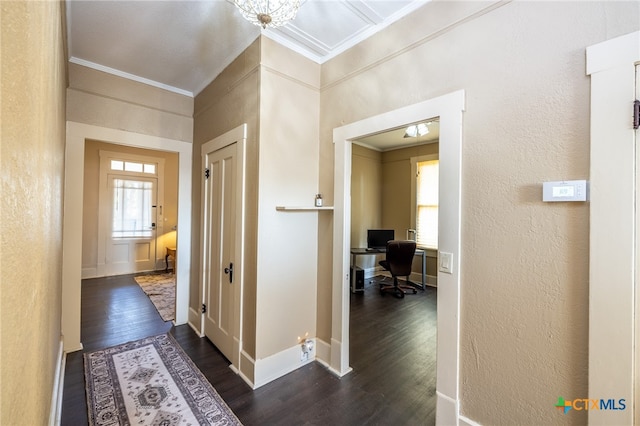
(302, 208)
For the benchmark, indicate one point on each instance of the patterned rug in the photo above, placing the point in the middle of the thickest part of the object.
(150, 382)
(161, 289)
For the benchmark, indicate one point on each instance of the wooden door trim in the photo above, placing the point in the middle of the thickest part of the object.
(238, 136)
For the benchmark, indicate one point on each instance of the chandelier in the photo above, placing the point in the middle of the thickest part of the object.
(268, 13)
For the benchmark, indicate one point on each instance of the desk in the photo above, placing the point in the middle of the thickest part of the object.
(171, 251)
(355, 252)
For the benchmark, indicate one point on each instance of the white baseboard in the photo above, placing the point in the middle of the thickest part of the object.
(446, 410)
(55, 416)
(89, 273)
(467, 422)
(323, 352)
(416, 277)
(430, 280)
(277, 365)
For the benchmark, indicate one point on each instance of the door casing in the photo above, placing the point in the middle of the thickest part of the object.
(77, 135)
(449, 108)
(613, 261)
(238, 137)
(218, 231)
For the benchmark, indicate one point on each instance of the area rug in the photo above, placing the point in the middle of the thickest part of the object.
(150, 382)
(161, 289)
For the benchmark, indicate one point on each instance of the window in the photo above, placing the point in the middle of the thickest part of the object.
(133, 166)
(132, 208)
(426, 203)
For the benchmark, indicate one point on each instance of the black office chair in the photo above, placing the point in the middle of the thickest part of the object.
(398, 262)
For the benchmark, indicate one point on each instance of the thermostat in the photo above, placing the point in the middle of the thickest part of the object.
(566, 190)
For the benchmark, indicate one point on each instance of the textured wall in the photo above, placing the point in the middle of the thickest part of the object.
(32, 165)
(524, 267)
(106, 100)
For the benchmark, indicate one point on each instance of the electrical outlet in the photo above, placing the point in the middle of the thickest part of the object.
(306, 349)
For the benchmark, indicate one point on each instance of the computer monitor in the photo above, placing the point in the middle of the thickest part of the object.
(377, 238)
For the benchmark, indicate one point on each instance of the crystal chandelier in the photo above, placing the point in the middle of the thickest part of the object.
(268, 13)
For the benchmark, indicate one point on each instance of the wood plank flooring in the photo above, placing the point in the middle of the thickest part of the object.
(392, 350)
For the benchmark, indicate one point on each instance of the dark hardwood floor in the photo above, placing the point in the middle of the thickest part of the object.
(393, 343)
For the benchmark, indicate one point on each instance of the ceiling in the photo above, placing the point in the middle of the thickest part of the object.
(394, 139)
(183, 45)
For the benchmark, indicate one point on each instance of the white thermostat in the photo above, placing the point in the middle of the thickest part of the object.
(566, 190)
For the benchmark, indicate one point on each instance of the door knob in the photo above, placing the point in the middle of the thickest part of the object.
(229, 271)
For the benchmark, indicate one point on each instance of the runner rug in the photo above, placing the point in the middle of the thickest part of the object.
(150, 382)
(161, 289)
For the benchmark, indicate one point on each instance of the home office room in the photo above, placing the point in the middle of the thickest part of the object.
(390, 191)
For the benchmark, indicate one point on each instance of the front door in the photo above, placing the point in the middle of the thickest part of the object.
(131, 241)
(219, 243)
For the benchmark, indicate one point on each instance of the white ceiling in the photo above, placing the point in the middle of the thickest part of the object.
(394, 139)
(183, 45)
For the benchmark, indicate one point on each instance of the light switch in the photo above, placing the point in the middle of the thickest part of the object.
(445, 262)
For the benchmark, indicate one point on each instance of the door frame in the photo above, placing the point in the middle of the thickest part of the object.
(77, 134)
(238, 136)
(612, 246)
(449, 108)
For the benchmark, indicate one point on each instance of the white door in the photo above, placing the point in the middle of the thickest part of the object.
(131, 238)
(221, 287)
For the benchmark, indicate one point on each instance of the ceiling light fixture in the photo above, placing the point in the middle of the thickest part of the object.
(268, 13)
(416, 130)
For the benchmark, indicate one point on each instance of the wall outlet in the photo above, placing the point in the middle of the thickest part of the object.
(306, 350)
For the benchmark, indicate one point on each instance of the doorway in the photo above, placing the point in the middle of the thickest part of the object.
(450, 110)
(77, 135)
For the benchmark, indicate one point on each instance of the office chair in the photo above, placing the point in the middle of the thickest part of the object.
(398, 262)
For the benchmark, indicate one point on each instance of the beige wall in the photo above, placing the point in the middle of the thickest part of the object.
(366, 198)
(32, 162)
(106, 100)
(288, 175)
(524, 263)
(91, 192)
(229, 101)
